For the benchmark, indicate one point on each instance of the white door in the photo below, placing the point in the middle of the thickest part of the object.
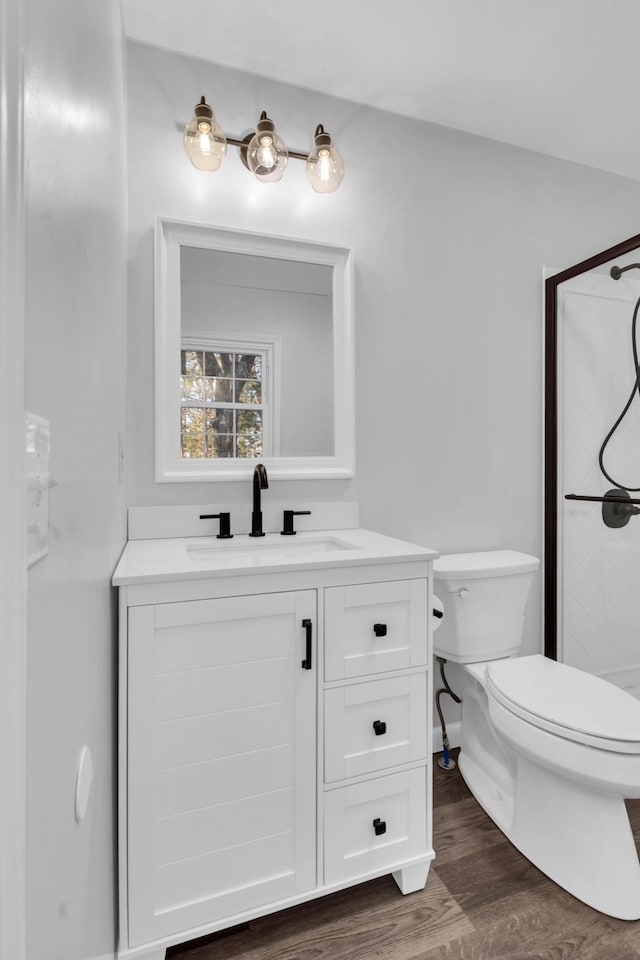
(221, 759)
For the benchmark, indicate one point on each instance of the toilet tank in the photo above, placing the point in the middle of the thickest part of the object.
(484, 596)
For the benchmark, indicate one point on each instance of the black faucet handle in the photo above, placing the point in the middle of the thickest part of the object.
(225, 524)
(287, 521)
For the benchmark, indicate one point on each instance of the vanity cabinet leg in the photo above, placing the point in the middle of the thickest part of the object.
(412, 879)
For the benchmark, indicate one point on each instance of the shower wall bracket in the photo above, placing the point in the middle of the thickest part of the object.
(617, 506)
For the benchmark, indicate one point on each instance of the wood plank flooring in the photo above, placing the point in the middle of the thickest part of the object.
(483, 901)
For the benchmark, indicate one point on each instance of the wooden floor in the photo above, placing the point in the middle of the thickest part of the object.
(483, 901)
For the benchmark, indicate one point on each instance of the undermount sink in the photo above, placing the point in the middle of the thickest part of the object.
(269, 547)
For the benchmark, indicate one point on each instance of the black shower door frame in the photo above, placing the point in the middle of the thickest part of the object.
(551, 504)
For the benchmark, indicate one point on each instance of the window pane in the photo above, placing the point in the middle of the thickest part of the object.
(249, 433)
(220, 430)
(220, 445)
(192, 388)
(191, 363)
(218, 364)
(218, 389)
(192, 420)
(248, 391)
(219, 420)
(191, 447)
(248, 366)
(249, 421)
(249, 447)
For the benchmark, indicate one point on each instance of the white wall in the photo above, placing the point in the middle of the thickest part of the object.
(449, 240)
(75, 359)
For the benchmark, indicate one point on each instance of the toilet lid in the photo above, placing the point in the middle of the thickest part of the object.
(569, 702)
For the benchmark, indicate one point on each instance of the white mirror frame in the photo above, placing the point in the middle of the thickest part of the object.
(170, 236)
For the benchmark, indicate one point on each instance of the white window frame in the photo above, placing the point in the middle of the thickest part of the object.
(270, 346)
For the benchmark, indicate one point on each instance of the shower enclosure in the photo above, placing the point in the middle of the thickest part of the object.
(592, 475)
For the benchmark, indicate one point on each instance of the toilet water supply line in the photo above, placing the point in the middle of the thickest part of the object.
(446, 763)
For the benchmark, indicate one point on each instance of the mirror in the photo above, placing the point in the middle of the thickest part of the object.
(254, 355)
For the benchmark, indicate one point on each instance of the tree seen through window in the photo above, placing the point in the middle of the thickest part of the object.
(222, 403)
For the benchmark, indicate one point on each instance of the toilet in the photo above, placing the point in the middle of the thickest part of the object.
(549, 751)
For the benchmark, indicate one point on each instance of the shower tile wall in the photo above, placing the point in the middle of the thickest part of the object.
(598, 567)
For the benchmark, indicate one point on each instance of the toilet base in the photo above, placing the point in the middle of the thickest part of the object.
(580, 838)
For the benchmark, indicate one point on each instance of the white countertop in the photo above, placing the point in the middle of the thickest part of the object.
(190, 558)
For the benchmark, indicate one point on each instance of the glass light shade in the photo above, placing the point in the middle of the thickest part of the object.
(267, 154)
(204, 141)
(325, 166)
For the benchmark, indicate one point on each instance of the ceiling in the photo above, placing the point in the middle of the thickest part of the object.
(556, 76)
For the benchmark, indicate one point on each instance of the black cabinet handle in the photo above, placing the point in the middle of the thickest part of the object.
(380, 629)
(379, 826)
(438, 614)
(379, 727)
(306, 663)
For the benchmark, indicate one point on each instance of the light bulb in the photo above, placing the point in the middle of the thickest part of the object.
(204, 141)
(325, 166)
(267, 154)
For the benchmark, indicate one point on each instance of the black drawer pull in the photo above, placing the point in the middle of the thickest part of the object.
(379, 826)
(306, 663)
(379, 727)
(380, 629)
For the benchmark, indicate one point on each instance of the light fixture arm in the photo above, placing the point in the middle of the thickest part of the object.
(243, 144)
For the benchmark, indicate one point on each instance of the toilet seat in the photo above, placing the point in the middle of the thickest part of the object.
(568, 702)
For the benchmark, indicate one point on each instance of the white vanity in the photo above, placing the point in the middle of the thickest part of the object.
(275, 725)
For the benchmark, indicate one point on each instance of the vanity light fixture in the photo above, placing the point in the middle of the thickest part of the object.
(263, 152)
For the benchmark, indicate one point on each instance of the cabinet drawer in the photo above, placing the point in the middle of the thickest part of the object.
(374, 725)
(375, 627)
(394, 806)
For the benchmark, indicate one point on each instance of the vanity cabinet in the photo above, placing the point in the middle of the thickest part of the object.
(274, 742)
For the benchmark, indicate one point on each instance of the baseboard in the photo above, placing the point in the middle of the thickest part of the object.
(105, 956)
(453, 733)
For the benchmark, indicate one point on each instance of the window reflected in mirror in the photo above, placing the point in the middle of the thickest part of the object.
(223, 412)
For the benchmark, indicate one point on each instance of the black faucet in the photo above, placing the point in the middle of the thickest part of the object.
(260, 482)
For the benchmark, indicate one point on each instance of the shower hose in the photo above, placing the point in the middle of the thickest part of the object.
(636, 387)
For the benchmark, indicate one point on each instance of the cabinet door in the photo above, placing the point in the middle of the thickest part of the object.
(221, 759)
(375, 627)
